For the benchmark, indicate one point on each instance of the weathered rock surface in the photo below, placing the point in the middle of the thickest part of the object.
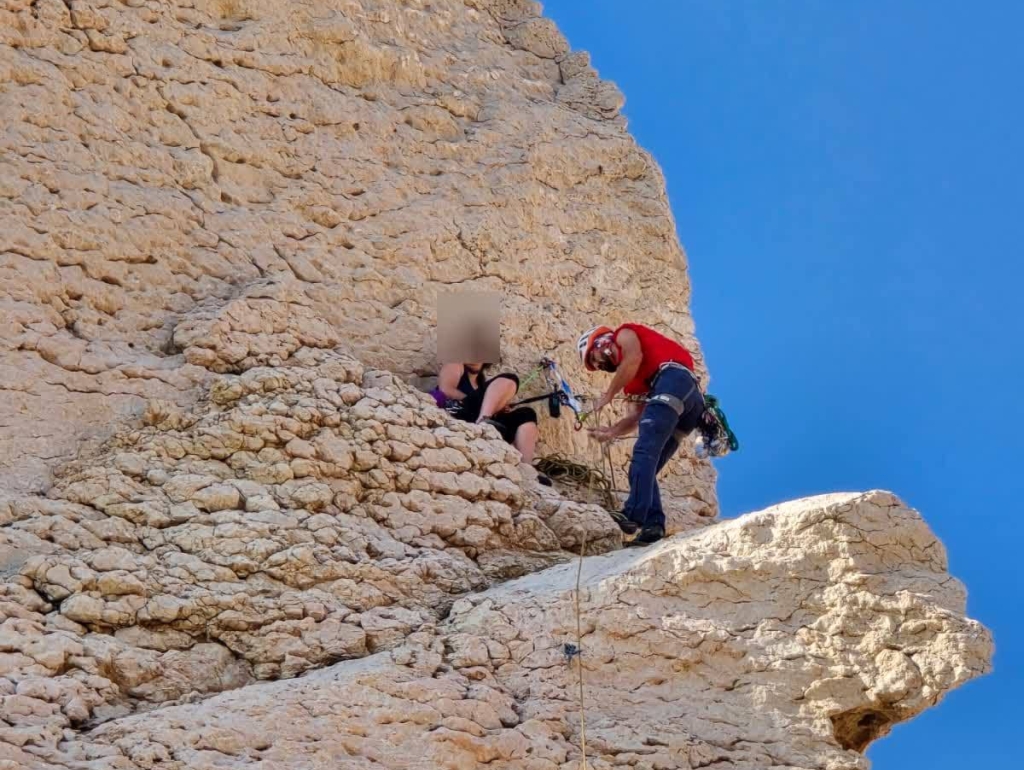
(157, 159)
(791, 638)
(231, 535)
(303, 514)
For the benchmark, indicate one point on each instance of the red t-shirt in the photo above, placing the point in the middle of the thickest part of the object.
(657, 349)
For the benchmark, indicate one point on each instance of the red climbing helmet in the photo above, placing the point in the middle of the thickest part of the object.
(587, 341)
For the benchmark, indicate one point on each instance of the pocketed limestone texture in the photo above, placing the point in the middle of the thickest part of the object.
(791, 637)
(159, 159)
(234, 534)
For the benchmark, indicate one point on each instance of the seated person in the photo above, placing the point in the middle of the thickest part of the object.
(465, 391)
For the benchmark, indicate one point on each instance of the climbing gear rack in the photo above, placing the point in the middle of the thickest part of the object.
(716, 438)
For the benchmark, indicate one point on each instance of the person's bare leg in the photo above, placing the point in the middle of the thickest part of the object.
(498, 395)
(526, 441)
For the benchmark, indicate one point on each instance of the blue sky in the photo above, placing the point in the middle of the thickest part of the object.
(846, 179)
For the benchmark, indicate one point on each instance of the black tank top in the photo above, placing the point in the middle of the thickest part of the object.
(466, 384)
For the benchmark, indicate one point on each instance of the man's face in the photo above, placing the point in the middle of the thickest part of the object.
(604, 355)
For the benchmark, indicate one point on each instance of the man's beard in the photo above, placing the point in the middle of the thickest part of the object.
(607, 366)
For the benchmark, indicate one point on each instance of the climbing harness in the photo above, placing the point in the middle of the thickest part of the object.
(674, 403)
(715, 438)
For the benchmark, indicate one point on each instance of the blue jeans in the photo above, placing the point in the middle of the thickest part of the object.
(662, 427)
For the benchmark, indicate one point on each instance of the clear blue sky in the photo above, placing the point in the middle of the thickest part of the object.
(846, 179)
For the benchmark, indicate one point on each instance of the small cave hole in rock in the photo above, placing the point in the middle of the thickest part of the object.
(856, 729)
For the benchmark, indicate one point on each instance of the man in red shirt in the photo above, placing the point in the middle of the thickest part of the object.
(660, 371)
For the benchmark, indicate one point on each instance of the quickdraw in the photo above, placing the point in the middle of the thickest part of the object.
(559, 393)
(715, 438)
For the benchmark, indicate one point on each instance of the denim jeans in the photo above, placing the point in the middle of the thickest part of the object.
(661, 430)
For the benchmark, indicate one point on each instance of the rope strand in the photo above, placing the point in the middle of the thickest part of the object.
(579, 647)
(579, 637)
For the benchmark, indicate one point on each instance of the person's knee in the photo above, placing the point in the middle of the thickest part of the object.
(527, 430)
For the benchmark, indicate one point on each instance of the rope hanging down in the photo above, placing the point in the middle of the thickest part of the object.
(579, 654)
(579, 640)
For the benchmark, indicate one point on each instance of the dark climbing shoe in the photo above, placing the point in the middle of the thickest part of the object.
(627, 526)
(647, 536)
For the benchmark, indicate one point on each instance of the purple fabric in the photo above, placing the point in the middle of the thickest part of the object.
(439, 397)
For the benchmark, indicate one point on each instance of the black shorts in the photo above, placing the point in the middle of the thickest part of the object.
(511, 421)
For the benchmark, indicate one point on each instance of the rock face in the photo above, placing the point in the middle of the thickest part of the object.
(303, 514)
(232, 534)
(792, 637)
(160, 160)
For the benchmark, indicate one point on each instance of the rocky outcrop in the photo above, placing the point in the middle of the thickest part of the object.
(159, 160)
(231, 533)
(301, 515)
(792, 637)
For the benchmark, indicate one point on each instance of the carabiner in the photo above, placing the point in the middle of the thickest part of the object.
(580, 419)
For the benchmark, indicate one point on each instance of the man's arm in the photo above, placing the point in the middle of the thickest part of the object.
(624, 425)
(632, 356)
(631, 420)
(448, 381)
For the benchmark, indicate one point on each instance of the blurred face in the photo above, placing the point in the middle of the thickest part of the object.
(604, 355)
(473, 368)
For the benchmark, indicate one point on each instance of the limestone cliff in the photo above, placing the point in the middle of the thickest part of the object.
(159, 158)
(791, 638)
(234, 533)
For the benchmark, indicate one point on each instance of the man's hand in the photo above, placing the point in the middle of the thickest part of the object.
(620, 428)
(603, 435)
(601, 403)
